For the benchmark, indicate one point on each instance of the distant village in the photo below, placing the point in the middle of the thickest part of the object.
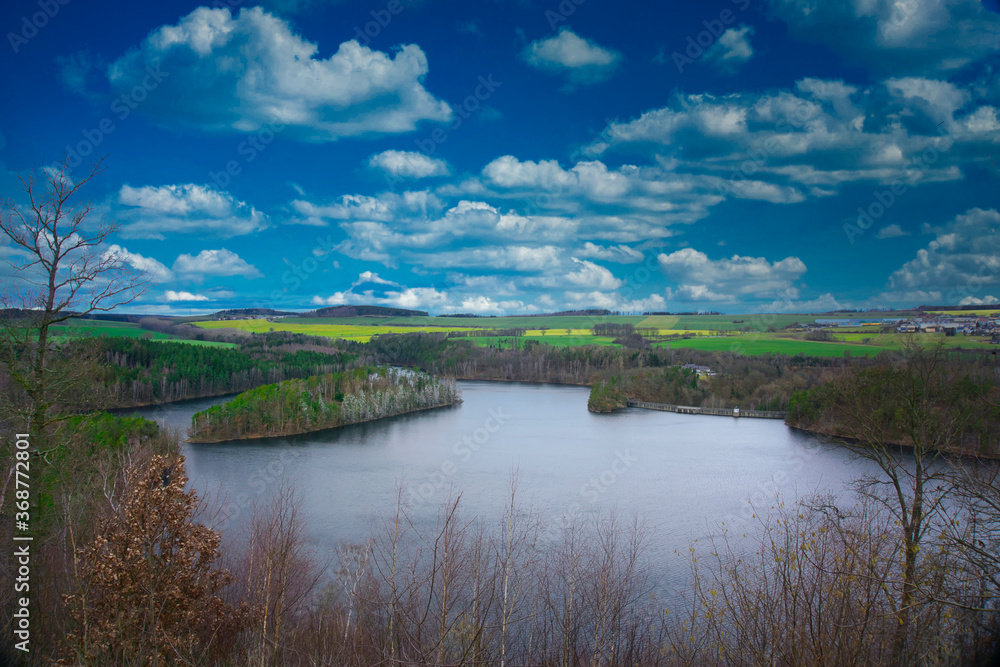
(949, 325)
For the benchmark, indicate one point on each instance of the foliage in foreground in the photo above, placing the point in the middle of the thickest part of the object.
(147, 591)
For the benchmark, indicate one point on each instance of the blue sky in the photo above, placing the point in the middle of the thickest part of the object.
(514, 156)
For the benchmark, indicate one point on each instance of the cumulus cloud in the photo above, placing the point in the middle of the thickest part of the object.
(614, 301)
(894, 36)
(704, 279)
(409, 297)
(588, 274)
(485, 305)
(383, 207)
(216, 71)
(214, 263)
(157, 272)
(732, 49)
(891, 232)
(961, 262)
(822, 304)
(170, 296)
(408, 164)
(152, 212)
(783, 145)
(622, 254)
(973, 301)
(581, 61)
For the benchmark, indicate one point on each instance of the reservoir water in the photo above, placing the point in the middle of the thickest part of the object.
(683, 475)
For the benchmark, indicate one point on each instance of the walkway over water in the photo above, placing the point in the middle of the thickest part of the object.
(721, 412)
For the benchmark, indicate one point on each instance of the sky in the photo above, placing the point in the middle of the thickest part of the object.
(521, 156)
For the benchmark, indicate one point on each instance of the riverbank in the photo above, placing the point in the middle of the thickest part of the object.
(908, 447)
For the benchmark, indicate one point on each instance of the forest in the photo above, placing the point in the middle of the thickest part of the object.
(322, 402)
(128, 372)
(960, 392)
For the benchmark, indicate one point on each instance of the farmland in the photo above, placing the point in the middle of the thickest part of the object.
(77, 328)
(745, 334)
(322, 327)
(979, 312)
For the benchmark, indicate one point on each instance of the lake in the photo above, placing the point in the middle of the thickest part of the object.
(682, 474)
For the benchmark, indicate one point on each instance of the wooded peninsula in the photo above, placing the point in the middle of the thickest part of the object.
(321, 402)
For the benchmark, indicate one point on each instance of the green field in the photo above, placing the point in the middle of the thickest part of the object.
(318, 327)
(673, 322)
(551, 339)
(982, 312)
(77, 328)
(753, 344)
(714, 333)
(549, 322)
(724, 322)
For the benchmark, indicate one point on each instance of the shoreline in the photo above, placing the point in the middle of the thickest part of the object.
(849, 442)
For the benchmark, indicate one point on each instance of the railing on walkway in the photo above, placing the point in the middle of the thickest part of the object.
(721, 412)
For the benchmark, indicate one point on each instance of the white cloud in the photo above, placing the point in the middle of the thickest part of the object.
(409, 297)
(962, 262)
(385, 207)
(973, 301)
(781, 146)
(369, 277)
(214, 263)
(614, 301)
(408, 164)
(157, 272)
(171, 296)
(704, 279)
(512, 258)
(592, 275)
(732, 49)
(485, 305)
(891, 232)
(249, 72)
(822, 304)
(622, 254)
(896, 35)
(580, 60)
(151, 212)
(939, 99)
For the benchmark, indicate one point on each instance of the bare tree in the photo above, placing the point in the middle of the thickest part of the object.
(903, 417)
(60, 270)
